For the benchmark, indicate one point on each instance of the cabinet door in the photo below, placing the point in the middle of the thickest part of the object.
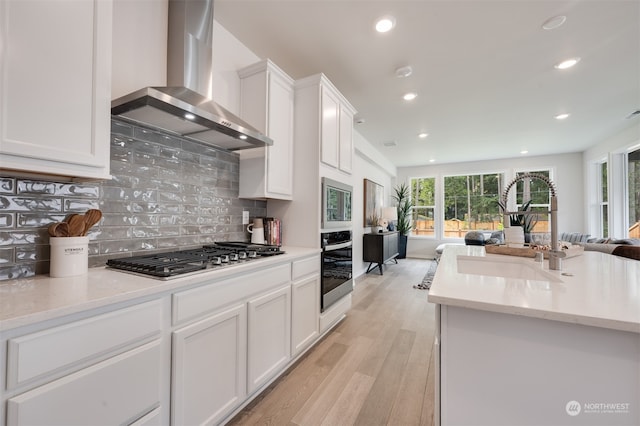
(269, 336)
(280, 123)
(346, 140)
(116, 391)
(209, 368)
(266, 102)
(56, 87)
(373, 248)
(305, 311)
(330, 109)
(390, 245)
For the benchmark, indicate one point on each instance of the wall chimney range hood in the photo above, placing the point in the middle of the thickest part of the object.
(183, 108)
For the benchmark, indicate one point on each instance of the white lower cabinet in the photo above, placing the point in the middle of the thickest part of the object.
(305, 303)
(269, 338)
(305, 306)
(101, 369)
(209, 367)
(335, 313)
(187, 357)
(118, 390)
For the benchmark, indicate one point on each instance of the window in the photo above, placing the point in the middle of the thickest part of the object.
(539, 194)
(424, 201)
(603, 200)
(633, 186)
(471, 203)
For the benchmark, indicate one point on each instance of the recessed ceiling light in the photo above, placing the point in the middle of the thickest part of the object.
(524, 151)
(390, 143)
(562, 116)
(404, 72)
(423, 135)
(409, 96)
(567, 63)
(386, 23)
(243, 137)
(554, 22)
(432, 160)
(189, 116)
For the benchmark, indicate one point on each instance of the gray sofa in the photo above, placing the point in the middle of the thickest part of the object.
(608, 245)
(604, 245)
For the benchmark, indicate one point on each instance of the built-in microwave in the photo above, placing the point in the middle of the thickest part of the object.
(336, 204)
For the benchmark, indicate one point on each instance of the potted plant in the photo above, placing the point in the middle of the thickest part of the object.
(375, 222)
(404, 206)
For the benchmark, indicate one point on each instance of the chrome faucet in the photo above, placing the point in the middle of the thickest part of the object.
(555, 254)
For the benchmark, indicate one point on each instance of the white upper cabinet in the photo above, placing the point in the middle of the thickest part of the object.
(266, 102)
(335, 122)
(329, 128)
(55, 82)
(346, 139)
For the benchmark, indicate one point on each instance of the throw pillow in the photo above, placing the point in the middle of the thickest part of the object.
(628, 251)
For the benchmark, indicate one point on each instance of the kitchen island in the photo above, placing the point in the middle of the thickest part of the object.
(557, 347)
(111, 347)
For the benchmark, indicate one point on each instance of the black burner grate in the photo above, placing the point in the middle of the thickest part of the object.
(165, 265)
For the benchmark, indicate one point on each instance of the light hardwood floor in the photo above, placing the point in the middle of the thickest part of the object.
(374, 368)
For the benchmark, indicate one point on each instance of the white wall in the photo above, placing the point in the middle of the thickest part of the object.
(229, 55)
(368, 164)
(566, 173)
(139, 45)
(140, 52)
(612, 150)
(619, 142)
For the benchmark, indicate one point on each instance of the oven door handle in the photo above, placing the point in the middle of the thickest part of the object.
(338, 246)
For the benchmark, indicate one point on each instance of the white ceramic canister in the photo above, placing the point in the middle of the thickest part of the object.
(256, 229)
(514, 236)
(69, 256)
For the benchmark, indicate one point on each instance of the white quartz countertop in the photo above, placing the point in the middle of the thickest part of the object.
(594, 289)
(40, 298)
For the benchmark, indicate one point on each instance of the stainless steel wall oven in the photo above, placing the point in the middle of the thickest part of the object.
(337, 268)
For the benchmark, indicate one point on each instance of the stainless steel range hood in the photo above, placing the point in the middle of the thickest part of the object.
(184, 108)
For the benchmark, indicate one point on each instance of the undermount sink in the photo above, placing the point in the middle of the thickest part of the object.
(509, 267)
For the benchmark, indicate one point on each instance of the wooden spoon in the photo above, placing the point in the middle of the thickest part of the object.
(91, 217)
(76, 225)
(52, 229)
(59, 229)
(62, 230)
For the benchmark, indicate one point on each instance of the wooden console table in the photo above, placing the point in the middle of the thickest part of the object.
(380, 248)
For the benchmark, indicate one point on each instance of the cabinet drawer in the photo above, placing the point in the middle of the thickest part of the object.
(191, 304)
(305, 267)
(116, 391)
(44, 352)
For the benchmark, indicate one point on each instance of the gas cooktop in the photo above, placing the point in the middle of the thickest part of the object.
(178, 263)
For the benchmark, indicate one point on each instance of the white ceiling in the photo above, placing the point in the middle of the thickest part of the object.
(483, 70)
